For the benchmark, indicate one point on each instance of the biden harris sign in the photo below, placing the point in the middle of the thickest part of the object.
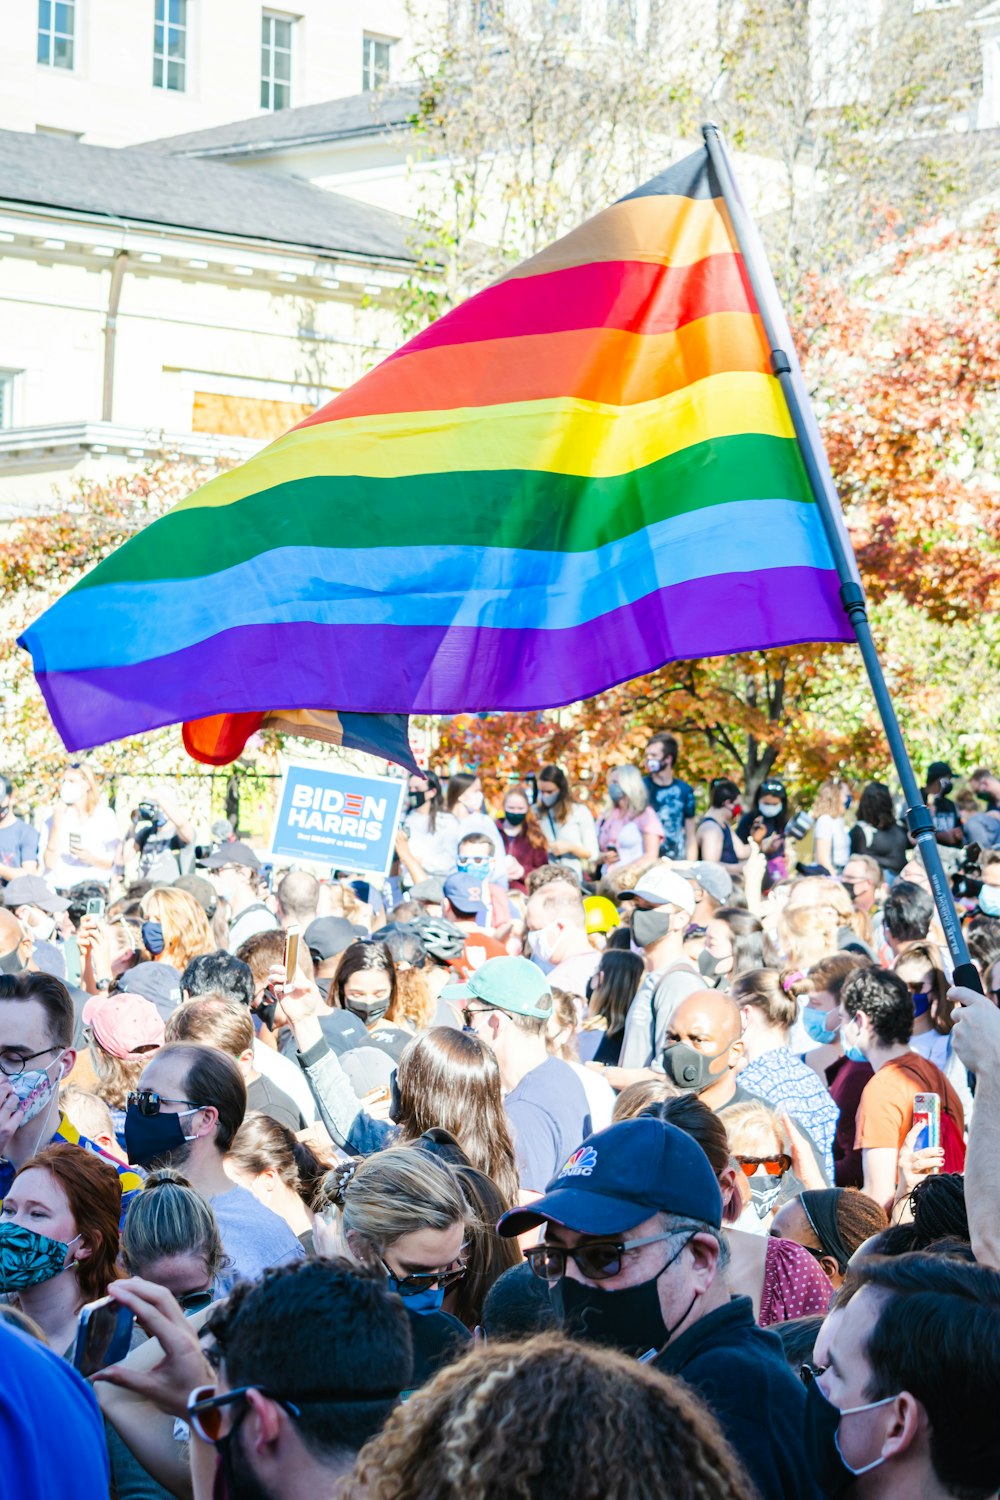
(329, 817)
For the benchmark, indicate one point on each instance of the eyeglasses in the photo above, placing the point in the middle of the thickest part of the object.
(13, 1063)
(193, 1302)
(808, 1372)
(598, 1261)
(468, 1011)
(148, 1103)
(422, 1281)
(205, 1406)
(774, 1166)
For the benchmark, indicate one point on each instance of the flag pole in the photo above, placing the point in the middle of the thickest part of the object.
(785, 365)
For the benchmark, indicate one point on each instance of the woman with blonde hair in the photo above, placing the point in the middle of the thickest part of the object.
(80, 835)
(549, 1419)
(628, 829)
(171, 1237)
(178, 922)
(831, 841)
(403, 1213)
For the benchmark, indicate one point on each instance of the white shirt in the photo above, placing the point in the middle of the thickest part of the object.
(99, 831)
(834, 829)
(284, 1074)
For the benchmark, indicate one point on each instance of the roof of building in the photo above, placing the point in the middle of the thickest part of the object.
(277, 130)
(154, 188)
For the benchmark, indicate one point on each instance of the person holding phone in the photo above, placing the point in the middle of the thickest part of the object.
(80, 834)
(59, 1238)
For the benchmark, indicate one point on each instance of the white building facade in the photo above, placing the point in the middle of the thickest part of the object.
(115, 72)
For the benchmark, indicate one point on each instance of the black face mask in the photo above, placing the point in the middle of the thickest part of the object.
(368, 1011)
(648, 927)
(395, 1099)
(151, 1139)
(629, 1319)
(689, 1068)
(415, 800)
(708, 968)
(266, 1008)
(515, 819)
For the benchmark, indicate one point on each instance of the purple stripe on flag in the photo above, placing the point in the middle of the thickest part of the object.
(442, 669)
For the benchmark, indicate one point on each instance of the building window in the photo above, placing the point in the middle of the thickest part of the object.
(275, 61)
(170, 45)
(376, 59)
(56, 26)
(7, 378)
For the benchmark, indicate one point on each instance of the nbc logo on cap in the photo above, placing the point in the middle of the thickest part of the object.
(581, 1163)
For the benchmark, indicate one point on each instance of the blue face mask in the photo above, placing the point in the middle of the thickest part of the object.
(616, 793)
(989, 900)
(475, 865)
(421, 1302)
(814, 1020)
(853, 1054)
(921, 1004)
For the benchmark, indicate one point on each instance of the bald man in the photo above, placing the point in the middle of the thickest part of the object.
(704, 1048)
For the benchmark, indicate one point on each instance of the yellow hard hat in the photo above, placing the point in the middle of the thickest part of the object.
(602, 914)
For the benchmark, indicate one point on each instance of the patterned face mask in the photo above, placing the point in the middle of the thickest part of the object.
(28, 1258)
(33, 1088)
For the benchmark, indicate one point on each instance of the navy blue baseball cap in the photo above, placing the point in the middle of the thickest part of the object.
(620, 1177)
(465, 892)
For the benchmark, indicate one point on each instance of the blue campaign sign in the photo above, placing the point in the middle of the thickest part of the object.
(336, 818)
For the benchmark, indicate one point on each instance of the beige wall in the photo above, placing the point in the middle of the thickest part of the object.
(109, 95)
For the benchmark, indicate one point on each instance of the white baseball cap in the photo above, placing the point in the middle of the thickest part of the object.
(662, 886)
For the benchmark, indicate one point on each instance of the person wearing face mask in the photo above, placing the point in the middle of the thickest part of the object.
(628, 829)
(876, 1023)
(59, 1238)
(845, 1078)
(632, 1251)
(80, 836)
(234, 870)
(475, 857)
(522, 837)
(428, 833)
(903, 1402)
(185, 1113)
(568, 825)
(920, 968)
(39, 911)
(734, 945)
(671, 799)
(989, 894)
(773, 1072)
(403, 1214)
(771, 804)
(717, 841)
(18, 840)
(465, 801)
(36, 1052)
(557, 938)
(661, 907)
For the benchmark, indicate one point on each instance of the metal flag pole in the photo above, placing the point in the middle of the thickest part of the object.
(785, 364)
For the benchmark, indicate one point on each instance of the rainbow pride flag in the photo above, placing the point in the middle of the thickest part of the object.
(583, 472)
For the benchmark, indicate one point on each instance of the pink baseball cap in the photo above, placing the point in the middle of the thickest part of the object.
(124, 1025)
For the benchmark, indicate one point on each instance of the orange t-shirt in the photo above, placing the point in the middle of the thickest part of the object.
(885, 1114)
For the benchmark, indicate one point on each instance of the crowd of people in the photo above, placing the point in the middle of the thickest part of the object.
(597, 1153)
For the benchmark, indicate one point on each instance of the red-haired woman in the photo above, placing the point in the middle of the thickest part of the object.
(522, 836)
(59, 1238)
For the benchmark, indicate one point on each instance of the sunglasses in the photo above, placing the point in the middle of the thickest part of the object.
(468, 1012)
(598, 1261)
(774, 1166)
(422, 1281)
(205, 1406)
(148, 1103)
(193, 1302)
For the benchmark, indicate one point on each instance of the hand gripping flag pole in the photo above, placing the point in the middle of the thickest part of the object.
(785, 365)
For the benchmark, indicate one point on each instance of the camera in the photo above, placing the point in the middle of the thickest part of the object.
(799, 826)
(966, 881)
